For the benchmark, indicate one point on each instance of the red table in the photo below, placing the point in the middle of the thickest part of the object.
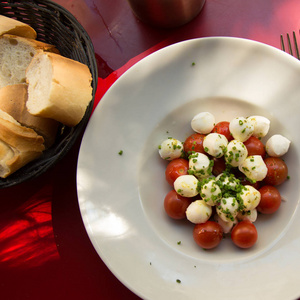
(45, 252)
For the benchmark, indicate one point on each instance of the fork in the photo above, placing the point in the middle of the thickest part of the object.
(290, 48)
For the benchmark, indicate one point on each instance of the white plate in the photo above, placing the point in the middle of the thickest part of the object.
(121, 196)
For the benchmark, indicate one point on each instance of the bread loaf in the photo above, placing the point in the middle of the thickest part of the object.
(15, 55)
(13, 101)
(58, 88)
(12, 26)
(18, 145)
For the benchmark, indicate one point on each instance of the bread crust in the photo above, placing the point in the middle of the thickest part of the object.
(70, 89)
(13, 100)
(12, 26)
(18, 145)
(38, 45)
(20, 137)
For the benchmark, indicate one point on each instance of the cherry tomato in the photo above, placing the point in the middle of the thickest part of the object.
(244, 181)
(270, 199)
(277, 171)
(176, 205)
(219, 166)
(244, 234)
(194, 143)
(208, 235)
(223, 128)
(176, 168)
(255, 147)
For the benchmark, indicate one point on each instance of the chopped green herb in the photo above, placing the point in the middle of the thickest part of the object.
(120, 152)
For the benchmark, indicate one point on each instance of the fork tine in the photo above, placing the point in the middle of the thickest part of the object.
(282, 43)
(289, 44)
(296, 45)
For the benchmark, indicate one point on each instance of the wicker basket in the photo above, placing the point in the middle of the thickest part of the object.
(56, 26)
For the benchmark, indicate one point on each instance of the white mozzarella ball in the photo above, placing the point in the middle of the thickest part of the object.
(254, 168)
(277, 145)
(211, 192)
(200, 165)
(250, 215)
(198, 212)
(228, 209)
(261, 125)
(186, 185)
(215, 144)
(203, 122)
(170, 149)
(250, 197)
(241, 129)
(226, 226)
(227, 181)
(236, 153)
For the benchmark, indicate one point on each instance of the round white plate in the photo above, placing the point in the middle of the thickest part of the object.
(121, 196)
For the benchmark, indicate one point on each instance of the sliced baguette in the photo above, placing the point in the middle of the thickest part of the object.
(12, 26)
(13, 101)
(18, 145)
(58, 88)
(15, 55)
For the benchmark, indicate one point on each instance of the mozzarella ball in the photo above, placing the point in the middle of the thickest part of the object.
(254, 168)
(261, 125)
(211, 192)
(228, 209)
(200, 165)
(198, 212)
(250, 215)
(250, 197)
(277, 145)
(241, 129)
(186, 185)
(227, 181)
(236, 153)
(215, 144)
(226, 226)
(170, 149)
(203, 122)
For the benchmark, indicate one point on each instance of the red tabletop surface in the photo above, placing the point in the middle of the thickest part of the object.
(45, 252)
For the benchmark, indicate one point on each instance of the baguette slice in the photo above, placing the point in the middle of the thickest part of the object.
(18, 145)
(58, 88)
(13, 101)
(12, 26)
(15, 55)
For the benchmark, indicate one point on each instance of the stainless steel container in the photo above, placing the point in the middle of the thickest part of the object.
(166, 13)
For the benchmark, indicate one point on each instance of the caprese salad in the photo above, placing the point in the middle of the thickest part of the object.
(222, 176)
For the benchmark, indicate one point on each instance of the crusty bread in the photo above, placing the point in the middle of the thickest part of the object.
(18, 145)
(13, 101)
(12, 26)
(58, 88)
(15, 55)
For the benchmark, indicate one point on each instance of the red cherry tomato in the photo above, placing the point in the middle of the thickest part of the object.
(244, 234)
(244, 181)
(176, 168)
(277, 171)
(219, 166)
(194, 143)
(176, 205)
(270, 199)
(223, 128)
(208, 235)
(255, 147)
